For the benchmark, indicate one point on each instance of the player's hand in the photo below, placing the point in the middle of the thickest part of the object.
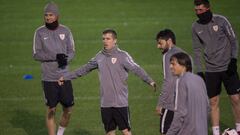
(153, 84)
(232, 67)
(61, 81)
(62, 60)
(159, 110)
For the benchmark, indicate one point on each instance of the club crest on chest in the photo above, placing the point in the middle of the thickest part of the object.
(62, 36)
(215, 28)
(114, 60)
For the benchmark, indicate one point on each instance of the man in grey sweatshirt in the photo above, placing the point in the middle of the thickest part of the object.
(190, 97)
(53, 47)
(214, 39)
(166, 42)
(113, 66)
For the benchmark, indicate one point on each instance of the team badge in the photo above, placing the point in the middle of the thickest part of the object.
(114, 60)
(62, 36)
(215, 28)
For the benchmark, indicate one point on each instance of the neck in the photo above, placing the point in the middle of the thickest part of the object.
(109, 51)
(182, 73)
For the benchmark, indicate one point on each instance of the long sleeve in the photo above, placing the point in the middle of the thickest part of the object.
(162, 96)
(70, 46)
(232, 38)
(165, 86)
(85, 69)
(166, 94)
(180, 109)
(197, 50)
(38, 51)
(130, 65)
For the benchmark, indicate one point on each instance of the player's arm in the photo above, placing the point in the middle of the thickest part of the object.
(232, 66)
(232, 38)
(38, 52)
(167, 83)
(70, 46)
(180, 111)
(197, 50)
(130, 65)
(85, 69)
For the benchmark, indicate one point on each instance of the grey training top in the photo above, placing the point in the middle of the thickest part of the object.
(166, 98)
(218, 43)
(46, 44)
(191, 106)
(113, 67)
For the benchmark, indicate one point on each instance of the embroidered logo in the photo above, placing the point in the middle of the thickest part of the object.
(200, 32)
(215, 28)
(62, 36)
(114, 60)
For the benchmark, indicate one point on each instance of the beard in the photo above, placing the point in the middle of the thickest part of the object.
(164, 50)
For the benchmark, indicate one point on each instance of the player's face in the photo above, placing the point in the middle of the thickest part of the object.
(108, 41)
(200, 9)
(50, 17)
(162, 45)
(176, 68)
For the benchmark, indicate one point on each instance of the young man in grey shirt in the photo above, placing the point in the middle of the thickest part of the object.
(53, 47)
(166, 42)
(113, 66)
(214, 40)
(190, 97)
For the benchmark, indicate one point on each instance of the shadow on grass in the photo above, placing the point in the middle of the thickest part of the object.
(33, 124)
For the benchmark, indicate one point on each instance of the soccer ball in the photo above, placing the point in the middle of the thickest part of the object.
(230, 131)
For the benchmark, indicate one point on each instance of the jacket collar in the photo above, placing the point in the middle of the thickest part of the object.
(110, 52)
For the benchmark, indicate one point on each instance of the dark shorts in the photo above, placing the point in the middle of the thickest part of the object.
(165, 120)
(113, 117)
(214, 81)
(54, 94)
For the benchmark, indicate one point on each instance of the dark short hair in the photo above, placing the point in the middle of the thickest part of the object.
(113, 32)
(184, 60)
(166, 34)
(206, 3)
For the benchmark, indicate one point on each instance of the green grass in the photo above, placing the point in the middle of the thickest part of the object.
(22, 108)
